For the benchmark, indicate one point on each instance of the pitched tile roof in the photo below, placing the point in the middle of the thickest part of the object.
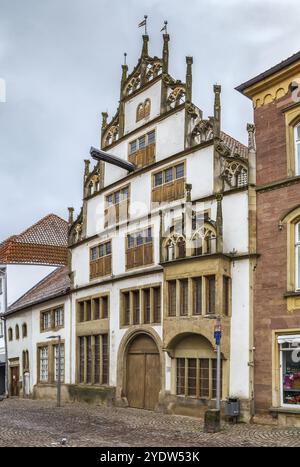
(234, 145)
(56, 284)
(45, 242)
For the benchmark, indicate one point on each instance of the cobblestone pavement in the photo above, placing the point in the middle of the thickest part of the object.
(36, 423)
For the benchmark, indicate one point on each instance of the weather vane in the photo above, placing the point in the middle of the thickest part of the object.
(164, 28)
(125, 55)
(144, 23)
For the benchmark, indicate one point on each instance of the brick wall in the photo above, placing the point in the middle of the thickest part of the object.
(270, 306)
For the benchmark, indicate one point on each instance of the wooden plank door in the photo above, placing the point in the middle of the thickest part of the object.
(14, 372)
(136, 380)
(152, 380)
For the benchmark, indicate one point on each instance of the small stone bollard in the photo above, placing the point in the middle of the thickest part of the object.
(212, 421)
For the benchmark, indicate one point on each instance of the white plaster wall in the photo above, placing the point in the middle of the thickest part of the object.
(32, 318)
(81, 254)
(152, 93)
(240, 330)
(235, 222)
(199, 172)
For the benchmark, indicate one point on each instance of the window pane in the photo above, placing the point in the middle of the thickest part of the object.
(108, 248)
(168, 175)
(130, 240)
(101, 251)
(192, 370)
(117, 197)
(172, 298)
(110, 200)
(62, 362)
(157, 305)
(149, 235)
(298, 133)
(81, 359)
(136, 307)
(147, 306)
(179, 171)
(126, 308)
(94, 253)
(133, 146)
(184, 297)
(298, 158)
(89, 360)
(197, 296)
(96, 302)
(210, 294)
(151, 137)
(204, 377)
(226, 285)
(142, 142)
(104, 301)
(180, 376)
(58, 317)
(139, 239)
(97, 360)
(105, 359)
(88, 310)
(44, 363)
(158, 179)
(125, 193)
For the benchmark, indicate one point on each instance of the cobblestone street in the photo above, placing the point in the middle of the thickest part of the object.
(35, 423)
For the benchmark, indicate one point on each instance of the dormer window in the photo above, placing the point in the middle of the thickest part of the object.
(297, 148)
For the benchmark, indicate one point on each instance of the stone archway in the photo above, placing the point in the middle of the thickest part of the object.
(143, 373)
(140, 375)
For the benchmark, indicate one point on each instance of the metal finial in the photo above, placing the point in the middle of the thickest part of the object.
(125, 55)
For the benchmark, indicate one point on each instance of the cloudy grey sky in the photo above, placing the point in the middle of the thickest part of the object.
(61, 62)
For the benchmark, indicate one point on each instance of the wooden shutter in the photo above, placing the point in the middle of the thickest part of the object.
(147, 253)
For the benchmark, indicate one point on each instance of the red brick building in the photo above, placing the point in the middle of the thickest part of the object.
(276, 100)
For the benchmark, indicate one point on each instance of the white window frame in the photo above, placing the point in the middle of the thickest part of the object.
(297, 145)
(297, 252)
(62, 362)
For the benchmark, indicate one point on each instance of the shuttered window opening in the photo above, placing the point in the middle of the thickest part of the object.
(93, 308)
(196, 377)
(93, 359)
(169, 184)
(117, 207)
(141, 306)
(100, 260)
(142, 150)
(139, 248)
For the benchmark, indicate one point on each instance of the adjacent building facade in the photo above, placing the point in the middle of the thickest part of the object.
(25, 259)
(276, 100)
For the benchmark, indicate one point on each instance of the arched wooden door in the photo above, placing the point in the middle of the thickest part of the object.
(143, 373)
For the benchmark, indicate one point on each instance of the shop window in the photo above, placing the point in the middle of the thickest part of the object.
(297, 255)
(290, 370)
